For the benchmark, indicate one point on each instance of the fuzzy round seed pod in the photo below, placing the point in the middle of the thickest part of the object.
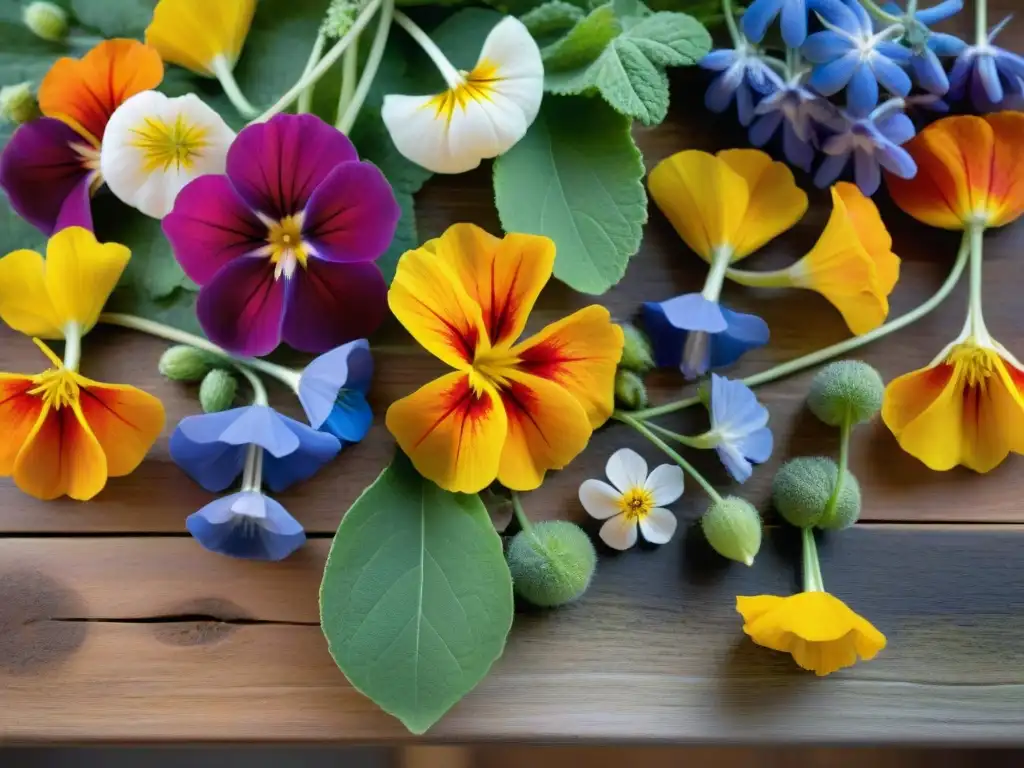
(733, 529)
(46, 20)
(802, 488)
(218, 390)
(848, 390)
(630, 390)
(17, 104)
(846, 512)
(637, 355)
(552, 563)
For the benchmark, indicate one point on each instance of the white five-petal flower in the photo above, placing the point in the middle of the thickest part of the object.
(633, 500)
(154, 145)
(483, 113)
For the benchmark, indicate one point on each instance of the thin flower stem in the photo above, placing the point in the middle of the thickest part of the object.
(778, 278)
(980, 22)
(373, 60)
(823, 355)
(687, 467)
(448, 72)
(975, 316)
(72, 346)
(701, 442)
(349, 74)
(730, 23)
(812, 568)
(222, 69)
(720, 259)
(306, 97)
(252, 475)
(324, 64)
(83, 41)
(876, 10)
(844, 458)
(259, 392)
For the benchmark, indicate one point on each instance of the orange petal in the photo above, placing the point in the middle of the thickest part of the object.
(910, 395)
(547, 428)
(503, 276)
(580, 353)
(85, 92)
(19, 412)
(452, 432)
(872, 233)
(1006, 202)
(126, 421)
(61, 457)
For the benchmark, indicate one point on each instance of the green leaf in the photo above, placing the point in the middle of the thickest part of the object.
(416, 600)
(553, 16)
(582, 188)
(114, 18)
(585, 41)
(406, 237)
(668, 39)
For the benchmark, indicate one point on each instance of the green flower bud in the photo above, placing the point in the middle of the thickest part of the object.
(184, 363)
(552, 563)
(341, 15)
(849, 390)
(801, 490)
(218, 390)
(46, 20)
(18, 104)
(733, 529)
(630, 390)
(636, 350)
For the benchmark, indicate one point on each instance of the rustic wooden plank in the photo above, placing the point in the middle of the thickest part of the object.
(155, 640)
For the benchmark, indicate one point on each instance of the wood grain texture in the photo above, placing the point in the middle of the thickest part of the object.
(152, 639)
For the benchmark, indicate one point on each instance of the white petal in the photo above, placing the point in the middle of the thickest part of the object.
(420, 134)
(618, 532)
(665, 484)
(486, 128)
(129, 156)
(600, 499)
(511, 49)
(627, 470)
(658, 526)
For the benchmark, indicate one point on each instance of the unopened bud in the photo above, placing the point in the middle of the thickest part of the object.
(733, 529)
(184, 363)
(846, 391)
(552, 563)
(218, 390)
(636, 350)
(630, 390)
(46, 20)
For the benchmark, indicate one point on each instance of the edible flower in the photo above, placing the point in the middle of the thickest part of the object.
(512, 409)
(156, 144)
(761, 13)
(248, 525)
(926, 46)
(51, 166)
(739, 427)
(797, 111)
(484, 112)
(852, 265)
(634, 500)
(744, 75)
(332, 390)
(64, 434)
(284, 245)
(991, 74)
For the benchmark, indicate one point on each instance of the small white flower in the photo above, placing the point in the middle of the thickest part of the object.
(154, 145)
(636, 500)
(482, 114)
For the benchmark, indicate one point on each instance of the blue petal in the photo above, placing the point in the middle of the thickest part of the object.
(263, 426)
(946, 45)
(314, 450)
(349, 366)
(891, 75)
(744, 105)
(719, 60)
(939, 12)
(734, 461)
(831, 168)
(836, 13)
(351, 417)
(758, 16)
(692, 312)
(798, 152)
(744, 333)
(860, 13)
(734, 407)
(862, 91)
(898, 53)
(897, 128)
(829, 79)
(757, 446)
(214, 465)
(721, 91)
(866, 172)
(794, 23)
(960, 75)
(764, 128)
(930, 73)
(822, 47)
(897, 161)
(987, 76)
(666, 340)
(246, 525)
(1009, 64)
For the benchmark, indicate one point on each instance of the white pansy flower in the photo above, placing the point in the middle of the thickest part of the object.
(483, 113)
(154, 145)
(633, 500)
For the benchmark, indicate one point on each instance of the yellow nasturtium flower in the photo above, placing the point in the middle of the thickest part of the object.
(204, 36)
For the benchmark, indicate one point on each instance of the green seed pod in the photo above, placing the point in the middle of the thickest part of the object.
(184, 363)
(637, 355)
(46, 20)
(17, 104)
(630, 390)
(801, 490)
(218, 390)
(733, 529)
(848, 390)
(552, 563)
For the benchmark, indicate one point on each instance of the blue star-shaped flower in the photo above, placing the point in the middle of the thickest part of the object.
(991, 74)
(797, 111)
(743, 74)
(740, 425)
(927, 47)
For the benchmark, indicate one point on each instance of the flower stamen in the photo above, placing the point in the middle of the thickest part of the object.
(636, 503)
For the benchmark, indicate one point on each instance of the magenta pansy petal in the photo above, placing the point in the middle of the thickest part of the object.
(77, 208)
(41, 173)
(330, 303)
(352, 214)
(209, 226)
(242, 307)
(276, 165)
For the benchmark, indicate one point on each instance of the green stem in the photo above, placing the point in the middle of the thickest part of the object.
(285, 375)
(259, 392)
(83, 41)
(823, 355)
(980, 22)
(975, 316)
(373, 60)
(701, 442)
(779, 278)
(72, 346)
(222, 70)
(448, 72)
(328, 61)
(521, 518)
(730, 23)
(720, 259)
(306, 97)
(349, 74)
(844, 453)
(812, 568)
(644, 430)
(876, 10)
(252, 475)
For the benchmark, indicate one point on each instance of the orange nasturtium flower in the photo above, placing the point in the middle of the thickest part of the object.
(511, 410)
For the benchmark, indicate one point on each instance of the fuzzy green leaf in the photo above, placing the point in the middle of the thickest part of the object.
(416, 600)
(553, 16)
(584, 42)
(583, 189)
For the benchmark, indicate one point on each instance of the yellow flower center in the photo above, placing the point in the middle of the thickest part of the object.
(493, 366)
(286, 248)
(57, 386)
(636, 503)
(975, 364)
(165, 145)
(476, 86)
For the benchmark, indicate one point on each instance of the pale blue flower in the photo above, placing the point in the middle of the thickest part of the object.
(745, 76)
(333, 388)
(248, 525)
(739, 423)
(991, 74)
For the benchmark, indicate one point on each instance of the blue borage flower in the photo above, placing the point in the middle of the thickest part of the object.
(739, 427)
(744, 73)
(990, 74)
(248, 525)
(333, 388)
(761, 13)
(797, 111)
(926, 47)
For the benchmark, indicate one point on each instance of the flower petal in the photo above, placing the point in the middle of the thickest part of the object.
(452, 433)
(599, 499)
(743, 333)
(19, 413)
(209, 226)
(734, 406)
(330, 303)
(618, 532)
(861, 90)
(61, 456)
(1006, 185)
(196, 448)
(872, 233)
(547, 429)
(246, 525)
(825, 46)
(665, 484)
(277, 165)
(659, 526)
(126, 422)
(242, 308)
(314, 450)
(923, 411)
(828, 79)
(85, 92)
(45, 178)
(519, 70)
(627, 470)
(193, 33)
(24, 301)
(420, 133)
(693, 312)
(758, 16)
(735, 462)
(579, 353)
(348, 367)
(350, 418)
(81, 273)
(155, 145)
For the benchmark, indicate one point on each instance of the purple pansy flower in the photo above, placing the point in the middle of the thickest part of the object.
(247, 524)
(991, 74)
(743, 73)
(739, 426)
(332, 390)
(795, 110)
(694, 334)
(48, 172)
(284, 245)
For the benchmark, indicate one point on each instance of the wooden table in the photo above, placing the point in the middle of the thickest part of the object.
(116, 626)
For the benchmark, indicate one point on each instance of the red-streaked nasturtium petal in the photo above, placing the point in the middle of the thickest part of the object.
(61, 456)
(125, 421)
(19, 412)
